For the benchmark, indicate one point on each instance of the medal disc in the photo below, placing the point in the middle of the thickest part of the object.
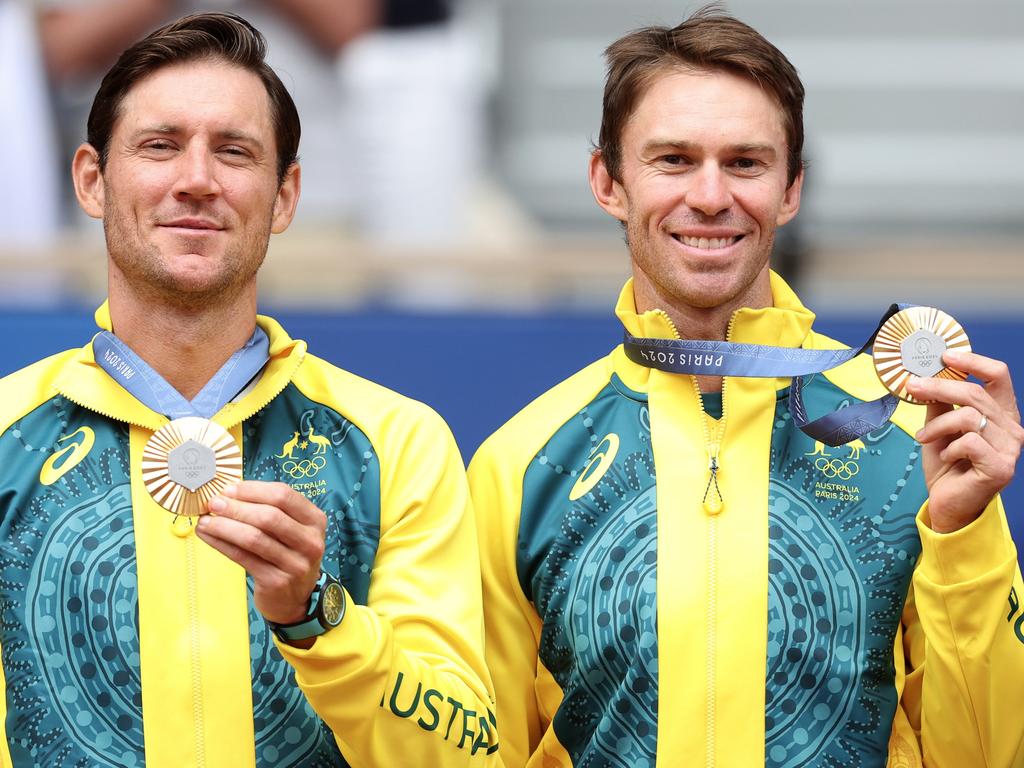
(189, 461)
(911, 343)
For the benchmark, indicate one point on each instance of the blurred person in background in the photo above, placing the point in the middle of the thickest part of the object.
(412, 106)
(377, 82)
(328, 611)
(29, 198)
(675, 573)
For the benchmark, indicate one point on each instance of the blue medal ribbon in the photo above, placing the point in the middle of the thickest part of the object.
(152, 390)
(725, 358)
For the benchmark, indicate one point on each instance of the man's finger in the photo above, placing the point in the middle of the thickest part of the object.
(983, 458)
(950, 392)
(254, 541)
(960, 421)
(305, 539)
(255, 566)
(993, 374)
(281, 496)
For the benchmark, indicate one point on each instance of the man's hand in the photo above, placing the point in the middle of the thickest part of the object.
(277, 535)
(969, 453)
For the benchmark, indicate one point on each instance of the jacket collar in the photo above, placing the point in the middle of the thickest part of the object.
(786, 323)
(84, 382)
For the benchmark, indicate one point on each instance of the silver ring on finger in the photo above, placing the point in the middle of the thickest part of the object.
(982, 423)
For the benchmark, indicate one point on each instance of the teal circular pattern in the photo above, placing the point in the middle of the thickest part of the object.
(82, 617)
(288, 732)
(611, 616)
(816, 615)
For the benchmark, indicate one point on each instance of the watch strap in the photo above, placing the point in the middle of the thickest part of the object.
(312, 625)
(300, 631)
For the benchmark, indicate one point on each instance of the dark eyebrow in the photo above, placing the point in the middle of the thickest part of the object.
(754, 149)
(657, 146)
(242, 136)
(168, 129)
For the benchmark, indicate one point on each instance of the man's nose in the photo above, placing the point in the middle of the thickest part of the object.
(709, 191)
(197, 175)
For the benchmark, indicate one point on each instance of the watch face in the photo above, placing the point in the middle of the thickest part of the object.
(333, 604)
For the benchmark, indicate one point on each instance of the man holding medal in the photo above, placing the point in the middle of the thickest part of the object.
(746, 566)
(215, 548)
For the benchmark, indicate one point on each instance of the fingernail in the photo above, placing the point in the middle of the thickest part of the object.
(217, 504)
(231, 490)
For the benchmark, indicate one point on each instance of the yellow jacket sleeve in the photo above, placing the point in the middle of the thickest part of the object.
(402, 680)
(963, 645)
(527, 694)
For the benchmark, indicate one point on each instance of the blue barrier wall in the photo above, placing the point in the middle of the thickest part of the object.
(477, 370)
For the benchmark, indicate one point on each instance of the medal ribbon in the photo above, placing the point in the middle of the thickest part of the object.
(152, 390)
(725, 358)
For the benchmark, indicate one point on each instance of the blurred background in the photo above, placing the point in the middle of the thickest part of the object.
(447, 244)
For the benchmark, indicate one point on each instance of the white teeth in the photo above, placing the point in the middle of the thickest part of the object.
(708, 243)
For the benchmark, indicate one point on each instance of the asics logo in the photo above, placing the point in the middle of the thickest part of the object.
(66, 459)
(600, 461)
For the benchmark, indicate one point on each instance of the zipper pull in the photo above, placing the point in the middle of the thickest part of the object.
(713, 501)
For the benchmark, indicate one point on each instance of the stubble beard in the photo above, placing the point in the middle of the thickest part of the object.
(149, 273)
(664, 273)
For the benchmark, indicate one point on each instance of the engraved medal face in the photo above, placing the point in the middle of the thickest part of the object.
(911, 343)
(188, 462)
(192, 465)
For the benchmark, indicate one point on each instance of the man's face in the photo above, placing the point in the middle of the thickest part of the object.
(190, 194)
(703, 188)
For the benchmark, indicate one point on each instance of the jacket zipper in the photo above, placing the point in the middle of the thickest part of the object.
(192, 586)
(195, 650)
(714, 447)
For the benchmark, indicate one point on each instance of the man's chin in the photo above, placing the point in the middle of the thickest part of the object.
(709, 290)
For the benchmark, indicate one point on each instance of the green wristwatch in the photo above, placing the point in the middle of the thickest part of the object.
(326, 610)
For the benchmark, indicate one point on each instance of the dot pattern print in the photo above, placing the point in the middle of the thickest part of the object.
(841, 555)
(68, 587)
(288, 732)
(589, 566)
(68, 595)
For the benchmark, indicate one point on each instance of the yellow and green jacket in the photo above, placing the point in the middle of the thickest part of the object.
(815, 621)
(106, 615)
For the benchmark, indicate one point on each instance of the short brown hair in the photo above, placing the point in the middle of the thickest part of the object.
(223, 36)
(708, 40)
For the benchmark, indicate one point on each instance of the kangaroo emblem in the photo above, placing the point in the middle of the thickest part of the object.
(321, 442)
(288, 449)
(819, 449)
(855, 447)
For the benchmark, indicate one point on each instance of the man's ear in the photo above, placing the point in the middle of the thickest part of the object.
(88, 180)
(607, 191)
(287, 199)
(791, 200)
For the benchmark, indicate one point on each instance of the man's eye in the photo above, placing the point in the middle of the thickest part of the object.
(673, 160)
(746, 163)
(159, 145)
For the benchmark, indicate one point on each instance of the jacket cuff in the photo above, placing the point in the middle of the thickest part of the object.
(345, 642)
(965, 555)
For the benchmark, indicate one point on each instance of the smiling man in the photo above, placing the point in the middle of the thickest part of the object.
(674, 572)
(327, 612)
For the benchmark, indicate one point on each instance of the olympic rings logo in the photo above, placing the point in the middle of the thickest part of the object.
(843, 470)
(305, 467)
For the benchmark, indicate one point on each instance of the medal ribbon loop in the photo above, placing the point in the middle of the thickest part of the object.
(152, 390)
(725, 358)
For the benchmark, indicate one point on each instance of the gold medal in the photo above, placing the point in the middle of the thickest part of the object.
(911, 343)
(189, 461)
